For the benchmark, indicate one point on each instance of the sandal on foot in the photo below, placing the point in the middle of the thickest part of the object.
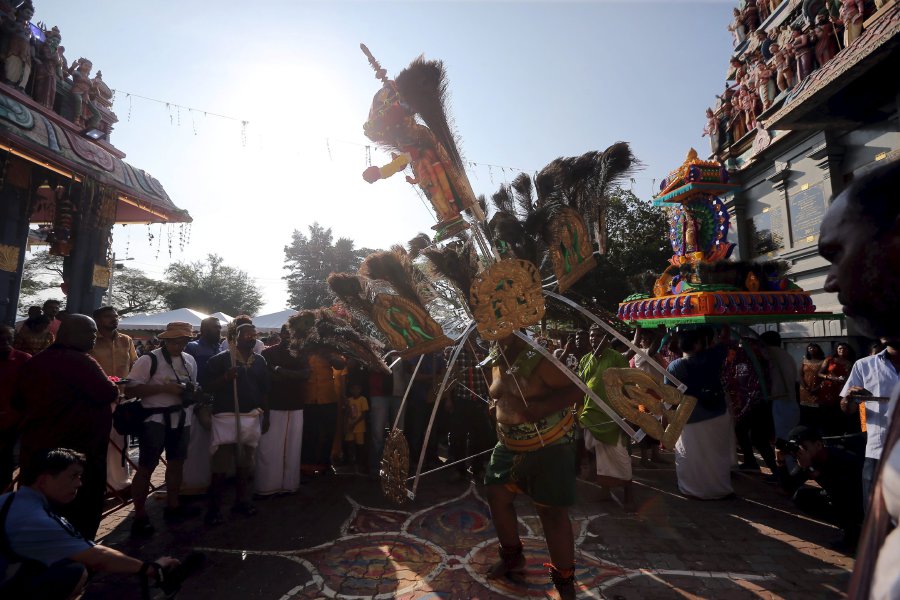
(564, 582)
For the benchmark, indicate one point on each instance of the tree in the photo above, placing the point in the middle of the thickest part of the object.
(637, 243)
(309, 261)
(41, 273)
(134, 292)
(210, 285)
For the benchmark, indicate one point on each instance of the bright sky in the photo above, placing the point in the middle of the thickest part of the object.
(530, 81)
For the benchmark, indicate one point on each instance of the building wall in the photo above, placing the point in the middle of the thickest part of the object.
(786, 189)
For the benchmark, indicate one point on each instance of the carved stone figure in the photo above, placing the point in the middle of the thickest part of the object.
(712, 130)
(763, 75)
(765, 44)
(852, 18)
(100, 92)
(739, 69)
(748, 104)
(738, 120)
(17, 50)
(802, 48)
(750, 16)
(737, 28)
(811, 9)
(47, 68)
(81, 94)
(826, 40)
(764, 10)
(784, 68)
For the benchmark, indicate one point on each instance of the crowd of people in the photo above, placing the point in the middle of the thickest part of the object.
(217, 405)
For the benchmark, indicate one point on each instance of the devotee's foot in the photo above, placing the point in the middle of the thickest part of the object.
(511, 561)
(564, 582)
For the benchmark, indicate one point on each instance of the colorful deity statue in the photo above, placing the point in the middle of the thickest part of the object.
(802, 49)
(763, 76)
(17, 51)
(48, 68)
(737, 28)
(826, 40)
(82, 86)
(429, 148)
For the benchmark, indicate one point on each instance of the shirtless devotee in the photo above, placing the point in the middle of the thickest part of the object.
(533, 403)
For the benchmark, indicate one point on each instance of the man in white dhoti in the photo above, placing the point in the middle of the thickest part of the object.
(278, 454)
(239, 381)
(705, 451)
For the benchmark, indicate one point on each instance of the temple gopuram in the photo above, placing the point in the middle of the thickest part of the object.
(809, 103)
(58, 168)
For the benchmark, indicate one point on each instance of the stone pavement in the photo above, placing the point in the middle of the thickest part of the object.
(339, 538)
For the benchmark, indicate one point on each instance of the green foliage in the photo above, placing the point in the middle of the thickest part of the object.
(309, 261)
(42, 273)
(638, 242)
(134, 292)
(209, 286)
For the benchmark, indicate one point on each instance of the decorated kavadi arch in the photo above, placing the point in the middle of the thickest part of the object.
(700, 284)
(503, 270)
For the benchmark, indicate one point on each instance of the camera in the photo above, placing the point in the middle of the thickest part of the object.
(190, 393)
(169, 581)
(789, 446)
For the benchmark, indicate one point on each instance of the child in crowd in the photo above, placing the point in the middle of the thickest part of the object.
(355, 430)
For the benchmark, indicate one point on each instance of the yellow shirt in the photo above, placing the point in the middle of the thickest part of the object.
(116, 356)
(357, 407)
(325, 384)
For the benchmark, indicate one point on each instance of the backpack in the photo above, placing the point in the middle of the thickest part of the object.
(129, 416)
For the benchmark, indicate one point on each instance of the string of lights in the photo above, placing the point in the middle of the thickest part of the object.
(368, 147)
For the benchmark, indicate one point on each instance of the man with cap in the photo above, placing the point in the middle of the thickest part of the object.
(163, 379)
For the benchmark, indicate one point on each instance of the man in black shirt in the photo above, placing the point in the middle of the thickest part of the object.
(839, 473)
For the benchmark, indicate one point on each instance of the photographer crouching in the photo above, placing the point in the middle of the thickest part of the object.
(166, 382)
(43, 557)
(839, 474)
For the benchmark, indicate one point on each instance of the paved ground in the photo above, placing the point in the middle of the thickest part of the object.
(338, 538)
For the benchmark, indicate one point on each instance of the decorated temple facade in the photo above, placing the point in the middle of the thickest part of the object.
(810, 101)
(58, 169)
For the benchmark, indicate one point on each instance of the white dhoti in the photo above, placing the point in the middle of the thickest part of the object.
(116, 473)
(703, 457)
(224, 426)
(278, 454)
(197, 470)
(612, 461)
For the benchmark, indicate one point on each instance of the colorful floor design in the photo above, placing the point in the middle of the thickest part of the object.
(442, 551)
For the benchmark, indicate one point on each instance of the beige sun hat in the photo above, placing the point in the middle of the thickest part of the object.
(178, 329)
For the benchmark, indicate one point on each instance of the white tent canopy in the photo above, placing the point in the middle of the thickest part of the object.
(273, 321)
(158, 321)
(222, 317)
